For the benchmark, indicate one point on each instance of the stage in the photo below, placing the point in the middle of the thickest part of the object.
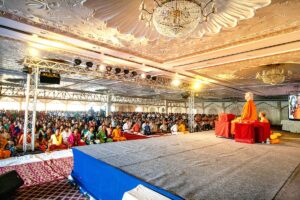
(192, 166)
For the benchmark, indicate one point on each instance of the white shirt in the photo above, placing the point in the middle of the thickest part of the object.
(65, 135)
(163, 127)
(174, 128)
(125, 127)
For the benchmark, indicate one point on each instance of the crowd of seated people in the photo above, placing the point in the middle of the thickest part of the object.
(62, 130)
(204, 122)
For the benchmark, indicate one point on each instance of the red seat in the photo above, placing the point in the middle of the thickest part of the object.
(222, 129)
(224, 117)
(223, 126)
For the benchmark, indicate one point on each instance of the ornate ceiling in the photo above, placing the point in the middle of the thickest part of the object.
(109, 23)
(226, 55)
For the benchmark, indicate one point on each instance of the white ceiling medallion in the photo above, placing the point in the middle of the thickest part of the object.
(178, 18)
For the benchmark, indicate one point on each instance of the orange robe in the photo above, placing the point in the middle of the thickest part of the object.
(264, 120)
(248, 114)
(117, 135)
(249, 111)
(297, 113)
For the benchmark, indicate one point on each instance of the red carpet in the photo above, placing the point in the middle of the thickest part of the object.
(130, 136)
(42, 172)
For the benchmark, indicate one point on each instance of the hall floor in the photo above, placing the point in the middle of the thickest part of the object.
(60, 189)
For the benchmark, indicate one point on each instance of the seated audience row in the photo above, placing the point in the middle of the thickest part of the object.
(62, 130)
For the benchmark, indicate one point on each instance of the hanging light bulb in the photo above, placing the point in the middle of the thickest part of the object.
(102, 68)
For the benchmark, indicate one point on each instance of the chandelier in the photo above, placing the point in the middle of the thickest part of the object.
(176, 18)
(273, 76)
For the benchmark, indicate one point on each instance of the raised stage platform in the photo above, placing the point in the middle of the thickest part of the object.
(192, 166)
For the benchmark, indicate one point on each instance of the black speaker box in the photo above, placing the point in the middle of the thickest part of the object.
(50, 78)
(9, 183)
(185, 95)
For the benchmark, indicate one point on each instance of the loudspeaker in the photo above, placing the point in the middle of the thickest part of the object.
(185, 95)
(50, 78)
(9, 183)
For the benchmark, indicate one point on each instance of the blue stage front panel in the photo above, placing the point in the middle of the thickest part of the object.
(104, 181)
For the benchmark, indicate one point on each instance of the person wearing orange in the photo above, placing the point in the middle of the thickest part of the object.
(262, 116)
(181, 127)
(249, 109)
(249, 112)
(3, 152)
(297, 110)
(136, 128)
(117, 135)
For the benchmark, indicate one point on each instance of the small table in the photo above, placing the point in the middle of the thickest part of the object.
(252, 132)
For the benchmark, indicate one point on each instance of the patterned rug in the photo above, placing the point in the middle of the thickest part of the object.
(58, 190)
(42, 172)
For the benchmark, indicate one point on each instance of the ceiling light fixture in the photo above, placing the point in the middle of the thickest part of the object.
(126, 71)
(273, 76)
(117, 70)
(108, 68)
(176, 18)
(133, 73)
(77, 62)
(143, 76)
(89, 64)
(102, 68)
(33, 52)
(176, 82)
(197, 85)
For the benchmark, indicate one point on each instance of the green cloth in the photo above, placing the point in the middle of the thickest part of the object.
(101, 136)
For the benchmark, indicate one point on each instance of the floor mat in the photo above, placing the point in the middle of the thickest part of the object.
(54, 190)
(41, 172)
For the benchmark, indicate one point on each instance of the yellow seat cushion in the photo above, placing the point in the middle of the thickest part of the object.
(278, 134)
(275, 141)
(273, 137)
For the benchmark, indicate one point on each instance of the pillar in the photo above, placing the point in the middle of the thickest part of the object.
(35, 93)
(166, 106)
(26, 112)
(108, 105)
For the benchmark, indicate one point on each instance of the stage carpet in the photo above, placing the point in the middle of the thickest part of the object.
(201, 166)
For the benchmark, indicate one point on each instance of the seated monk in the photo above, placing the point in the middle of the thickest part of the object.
(249, 110)
(117, 135)
(248, 114)
(74, 139)
(263, 118)
(56, 141)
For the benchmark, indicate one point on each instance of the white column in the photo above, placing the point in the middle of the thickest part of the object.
(108, 105)
(166, 106)
(191, 111)
(26, 112)
(35, 93)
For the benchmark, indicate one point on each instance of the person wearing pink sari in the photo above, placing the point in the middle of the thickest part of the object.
(75, 140)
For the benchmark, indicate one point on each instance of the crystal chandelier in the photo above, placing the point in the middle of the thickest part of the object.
(177, 18)
(274, 75)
